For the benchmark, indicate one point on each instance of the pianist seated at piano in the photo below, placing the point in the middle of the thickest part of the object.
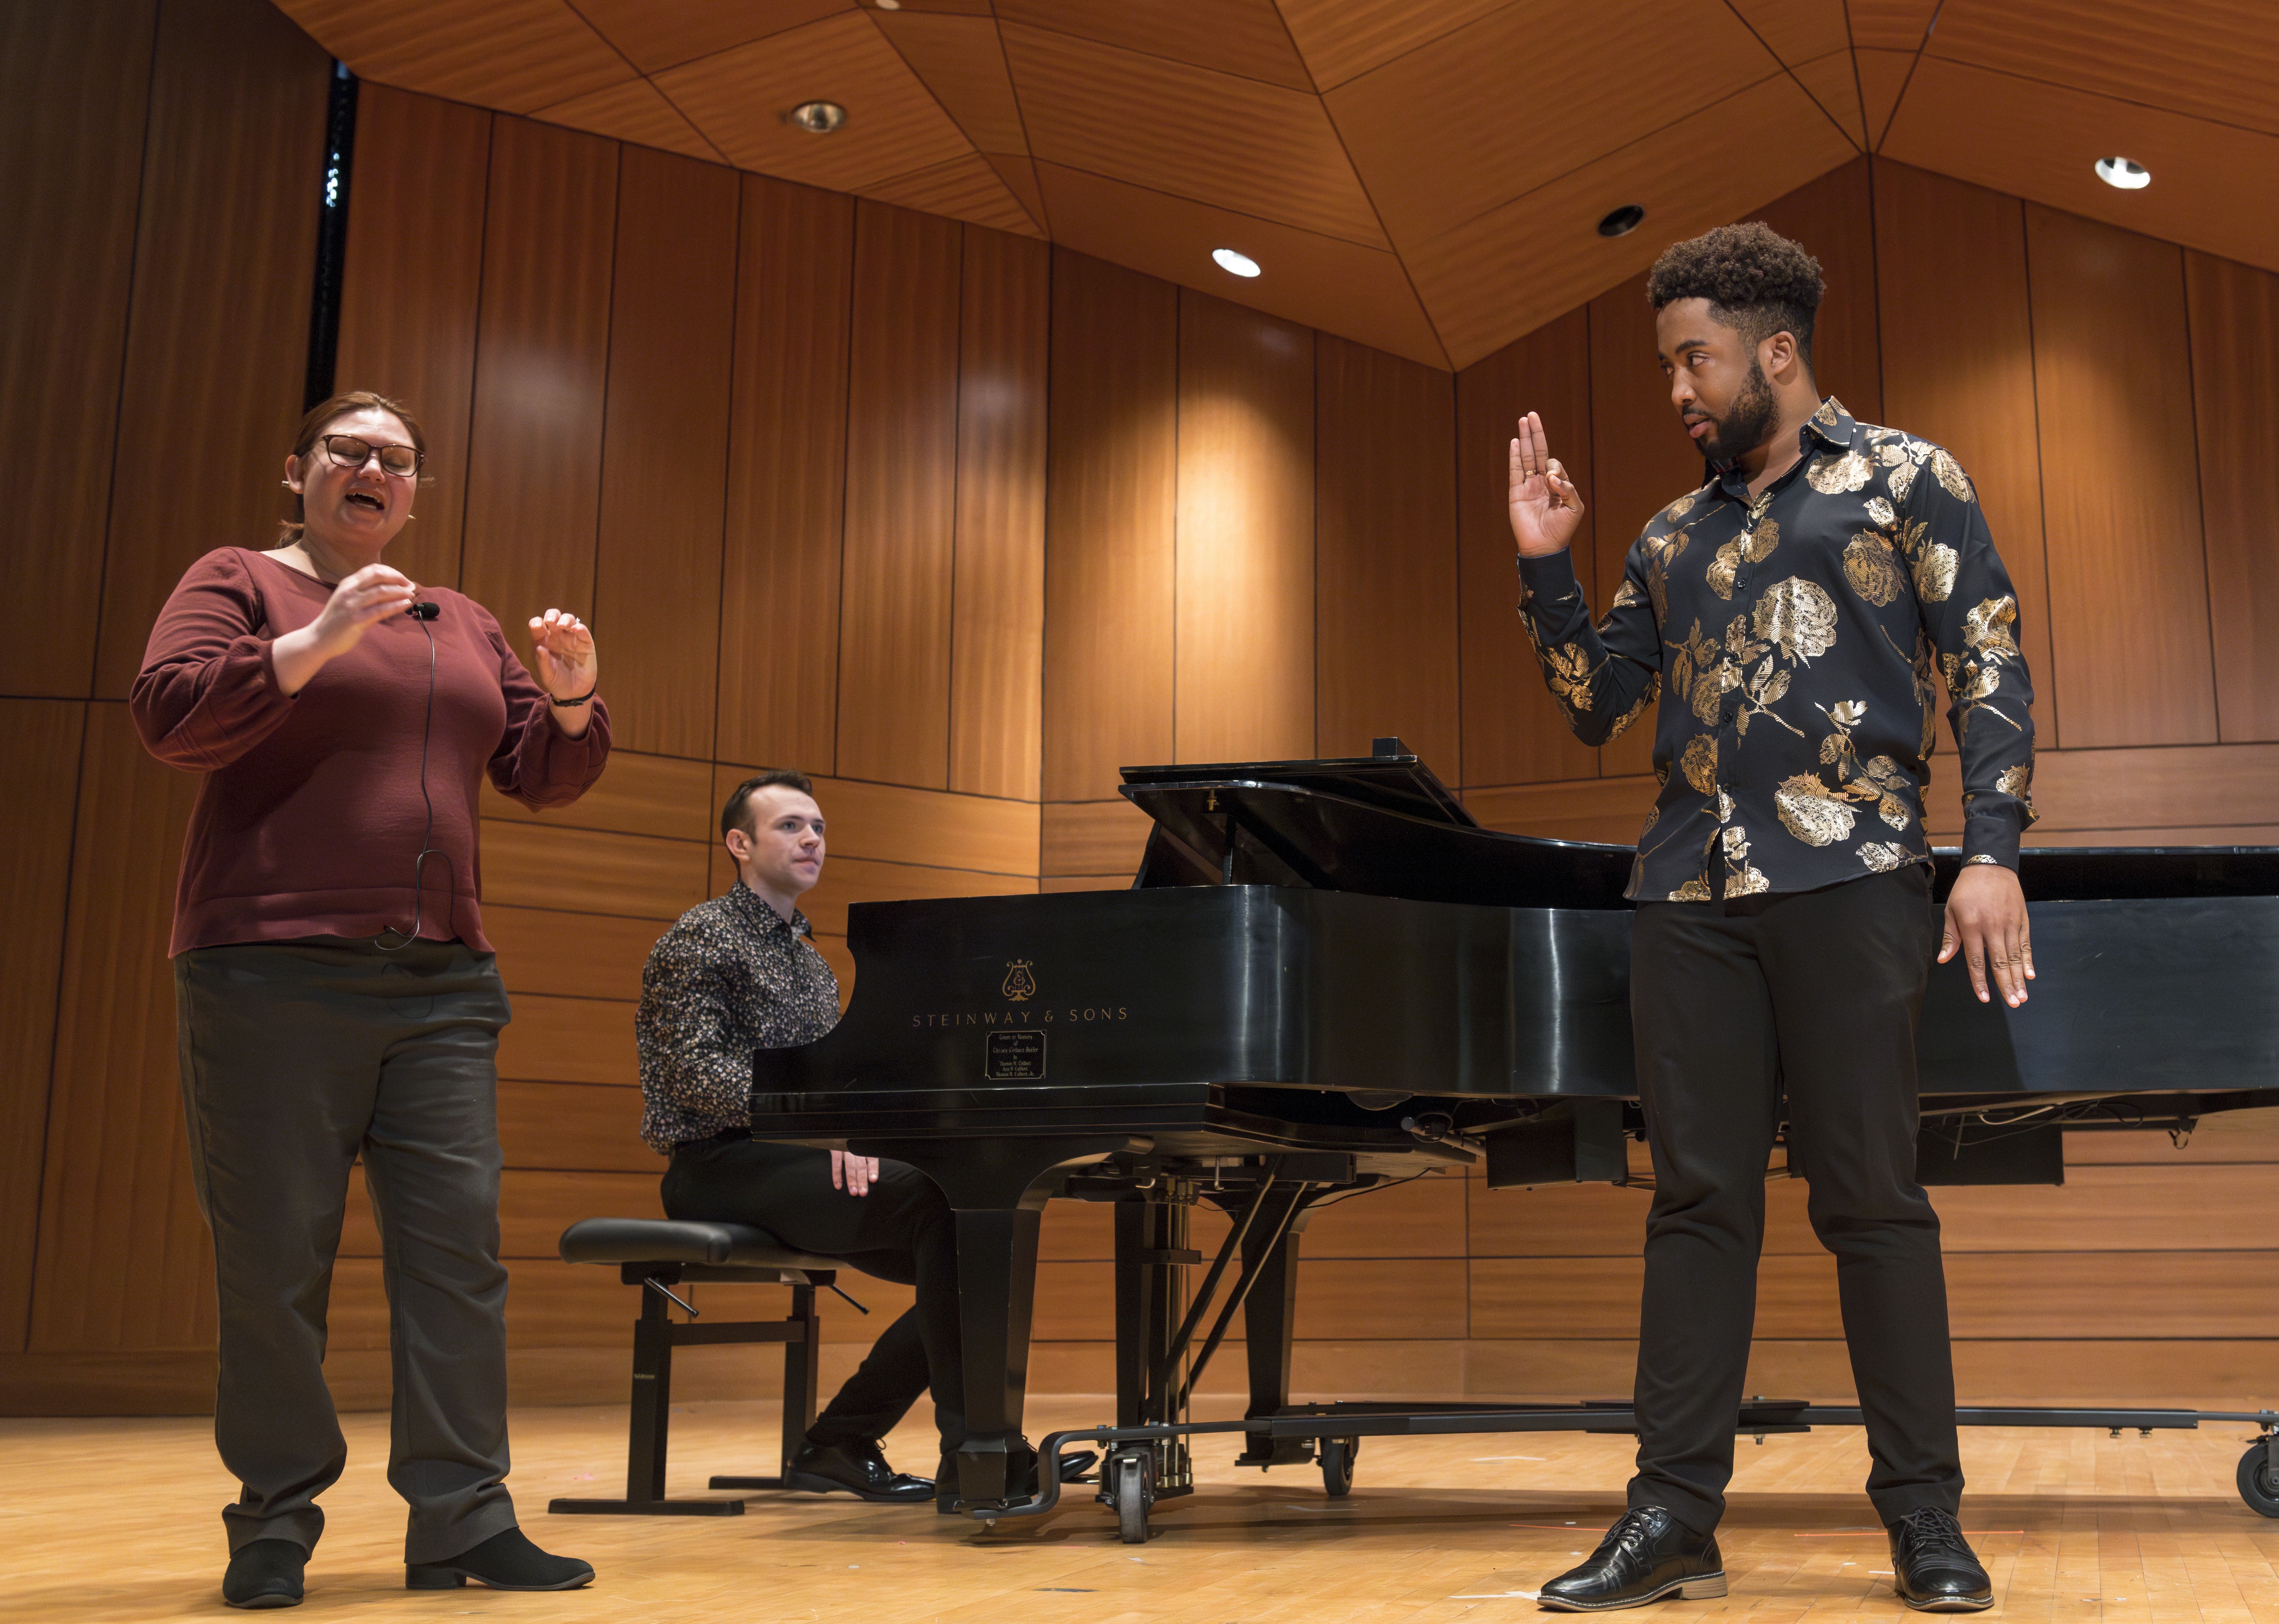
(740, 972)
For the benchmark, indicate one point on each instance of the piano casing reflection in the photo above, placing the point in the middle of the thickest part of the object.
(1326, 976)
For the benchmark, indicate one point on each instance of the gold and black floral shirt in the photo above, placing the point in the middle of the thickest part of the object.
(732, 976)
(1796, 641)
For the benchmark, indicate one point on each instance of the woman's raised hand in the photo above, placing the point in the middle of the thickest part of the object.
(567, 667)
(1546, 510)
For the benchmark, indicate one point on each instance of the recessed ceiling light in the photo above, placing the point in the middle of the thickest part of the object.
(1241, 265)
(2125, 172)
(1622, 221)
(821, 118)
(887, 5)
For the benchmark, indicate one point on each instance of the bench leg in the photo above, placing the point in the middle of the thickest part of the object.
(802, 1373)
(649, 1432)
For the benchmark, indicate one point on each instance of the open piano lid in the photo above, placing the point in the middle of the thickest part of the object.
(1381, 824)
(1385, 825)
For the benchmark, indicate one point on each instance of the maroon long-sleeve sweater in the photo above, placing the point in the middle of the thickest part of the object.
(311, 815)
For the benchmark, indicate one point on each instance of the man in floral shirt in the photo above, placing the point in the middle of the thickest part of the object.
(1795, 617)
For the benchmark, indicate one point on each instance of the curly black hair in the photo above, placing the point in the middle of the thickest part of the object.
(1756, 280)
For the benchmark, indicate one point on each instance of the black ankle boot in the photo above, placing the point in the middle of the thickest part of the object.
(1646, 1555)
(504, 1561)
(264, 1574)
(1932, 1565)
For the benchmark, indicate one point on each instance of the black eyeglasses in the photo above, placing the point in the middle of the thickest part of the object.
(354, 450)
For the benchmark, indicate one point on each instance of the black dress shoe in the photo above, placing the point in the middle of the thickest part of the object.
(264, 1574)
(506, 1561)
(1932, 1567)
(1021, 1478)
(856, 1468)
(1646, 1555)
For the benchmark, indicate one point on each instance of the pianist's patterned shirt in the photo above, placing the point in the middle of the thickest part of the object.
(731, 976)
(1796, 641)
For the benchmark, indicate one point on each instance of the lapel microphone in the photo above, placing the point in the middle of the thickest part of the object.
(424, 612)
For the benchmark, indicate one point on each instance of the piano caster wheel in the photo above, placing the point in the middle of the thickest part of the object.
(1337, 1457)
(1129, 1489)
(2258, 1486)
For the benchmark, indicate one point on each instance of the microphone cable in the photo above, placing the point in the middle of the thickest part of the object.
(427, 850)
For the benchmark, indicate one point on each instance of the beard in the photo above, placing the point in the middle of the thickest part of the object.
(1745, 422)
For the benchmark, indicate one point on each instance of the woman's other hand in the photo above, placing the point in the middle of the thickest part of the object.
(567, 665)
(370, 594)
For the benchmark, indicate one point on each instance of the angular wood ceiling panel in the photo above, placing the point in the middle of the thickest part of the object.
(2039, 140)
(655, 37)
(738, 98)
(1231, 143)
(1020, 177)
(962, 62)
(1231, 36)
(1882, 81)
(1890, 25)
(1496, 109)
(1417, 175)
(1344, 39)
(2223, 63)
(1361, 293)
(1834, 82)
(1797, 30)
(1515, 267)
(965, 188)
(635, 110)
(512, 55)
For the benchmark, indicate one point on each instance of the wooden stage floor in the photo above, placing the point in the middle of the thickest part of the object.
(118, 1520)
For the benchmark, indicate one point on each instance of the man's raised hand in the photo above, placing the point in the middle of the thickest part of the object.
(1546, 510)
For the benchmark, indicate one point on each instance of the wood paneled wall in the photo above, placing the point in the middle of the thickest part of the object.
(963, 524)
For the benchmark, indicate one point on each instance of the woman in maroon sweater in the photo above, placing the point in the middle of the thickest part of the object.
(336, 994)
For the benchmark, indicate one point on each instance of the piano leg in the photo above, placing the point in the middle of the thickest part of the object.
(1151, 1247)
(997, 1190)
(1268, 1318)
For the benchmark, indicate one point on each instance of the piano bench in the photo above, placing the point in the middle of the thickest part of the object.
(655, 1255)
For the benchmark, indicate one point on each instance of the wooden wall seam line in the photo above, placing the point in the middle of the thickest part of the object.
(466, 446)
(2041, 475)
(1045, 526)
(119, 402)
(608, 347)
(728, 450)
(1179, 432)
(2199, 484)
(956, 482)
(55, 1035)
(1318, 415)
(846, 484)
(1456, 552)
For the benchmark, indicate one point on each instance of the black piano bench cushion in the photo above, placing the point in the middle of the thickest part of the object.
(663, 1240)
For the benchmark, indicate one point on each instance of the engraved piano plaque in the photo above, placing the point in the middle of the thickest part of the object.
(1014, 1056)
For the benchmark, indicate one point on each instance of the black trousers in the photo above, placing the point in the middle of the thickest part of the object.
(297, 1058)
(1813, 995)
(901, 1231)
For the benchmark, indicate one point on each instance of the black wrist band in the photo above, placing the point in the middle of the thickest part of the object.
(569, 704)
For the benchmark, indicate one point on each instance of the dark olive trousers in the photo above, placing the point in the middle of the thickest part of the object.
(903, 1231)
(296, 1059)
(1812, 996)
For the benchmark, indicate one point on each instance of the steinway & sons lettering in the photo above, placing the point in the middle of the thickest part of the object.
(1065, 1015)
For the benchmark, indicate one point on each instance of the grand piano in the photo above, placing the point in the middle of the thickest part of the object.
(1326, 976)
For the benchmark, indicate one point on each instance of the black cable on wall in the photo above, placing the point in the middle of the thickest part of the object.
(332, 236)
